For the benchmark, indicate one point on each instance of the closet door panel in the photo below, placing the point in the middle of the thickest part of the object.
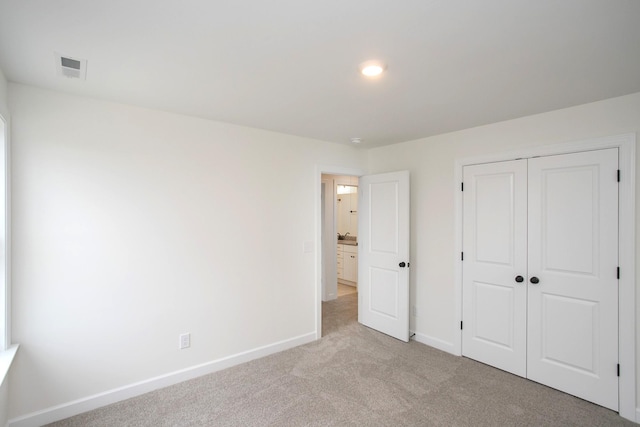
(494, 243)
(573, 287)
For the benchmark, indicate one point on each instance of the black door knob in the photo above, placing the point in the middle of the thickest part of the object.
(534, 280)
(519, 279)
(402, 264)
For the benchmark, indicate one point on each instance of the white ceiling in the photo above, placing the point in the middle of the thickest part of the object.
(291, 66)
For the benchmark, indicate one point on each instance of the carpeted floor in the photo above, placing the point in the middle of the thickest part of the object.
(354, 376)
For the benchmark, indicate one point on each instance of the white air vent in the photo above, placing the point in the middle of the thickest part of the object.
(73, 68)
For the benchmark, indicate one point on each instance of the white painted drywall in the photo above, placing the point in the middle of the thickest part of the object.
(4, 382)
(431, 163)
(3, 94)
(132, 226)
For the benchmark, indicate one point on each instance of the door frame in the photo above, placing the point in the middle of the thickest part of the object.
(626, 143)
(319, 267)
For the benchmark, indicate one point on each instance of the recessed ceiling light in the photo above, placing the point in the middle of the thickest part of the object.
(356, 140)
(372, 68)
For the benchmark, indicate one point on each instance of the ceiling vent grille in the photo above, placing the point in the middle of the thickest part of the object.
(70, 67)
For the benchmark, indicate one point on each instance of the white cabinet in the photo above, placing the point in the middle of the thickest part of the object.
(340, 262)
(347, 264)
(350, 263)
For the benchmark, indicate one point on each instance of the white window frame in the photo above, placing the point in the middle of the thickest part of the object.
(7, 350)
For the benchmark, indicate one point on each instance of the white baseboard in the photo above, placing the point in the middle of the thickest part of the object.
(89, 403)
(435, 343)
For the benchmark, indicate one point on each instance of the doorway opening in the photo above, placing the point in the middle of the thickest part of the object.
(339, 223)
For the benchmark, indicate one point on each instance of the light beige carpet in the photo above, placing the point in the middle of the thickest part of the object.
(354, 376)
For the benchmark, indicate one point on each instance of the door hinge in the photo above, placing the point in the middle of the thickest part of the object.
(461, 256)
(618, 273)
(618, 175)
(461, 325)
(618, 369)
(462, 186)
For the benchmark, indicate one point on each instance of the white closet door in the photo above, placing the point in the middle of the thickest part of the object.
(573, 286)
(494, 268)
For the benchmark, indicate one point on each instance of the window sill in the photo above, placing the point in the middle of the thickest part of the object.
(6, 359)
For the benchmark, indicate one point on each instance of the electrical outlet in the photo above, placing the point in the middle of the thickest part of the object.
(414, 311)
(185, 341)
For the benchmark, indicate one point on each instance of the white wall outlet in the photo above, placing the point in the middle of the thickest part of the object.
(185, 341)
(414, 311)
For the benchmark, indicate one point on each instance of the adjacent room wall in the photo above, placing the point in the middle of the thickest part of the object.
(431, 163)
(132, 226)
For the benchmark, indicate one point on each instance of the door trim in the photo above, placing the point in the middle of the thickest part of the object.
(626, 143)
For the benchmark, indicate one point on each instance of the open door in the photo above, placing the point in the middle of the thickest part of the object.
(383, 259)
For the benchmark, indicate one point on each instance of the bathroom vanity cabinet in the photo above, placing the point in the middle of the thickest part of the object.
(347, 264)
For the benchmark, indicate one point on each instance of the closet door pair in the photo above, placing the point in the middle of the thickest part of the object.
(540, 266)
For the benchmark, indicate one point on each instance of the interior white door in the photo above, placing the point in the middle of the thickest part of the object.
(573, 286)
(383, 258)
(555, 218)
(494, 268)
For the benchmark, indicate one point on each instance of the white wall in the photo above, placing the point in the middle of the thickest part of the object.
(431, 163)
(131, 226)
(4, 385)
(3, 95)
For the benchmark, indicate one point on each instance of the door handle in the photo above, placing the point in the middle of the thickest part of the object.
(534, 280)
(519, 279)
(402, 264)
